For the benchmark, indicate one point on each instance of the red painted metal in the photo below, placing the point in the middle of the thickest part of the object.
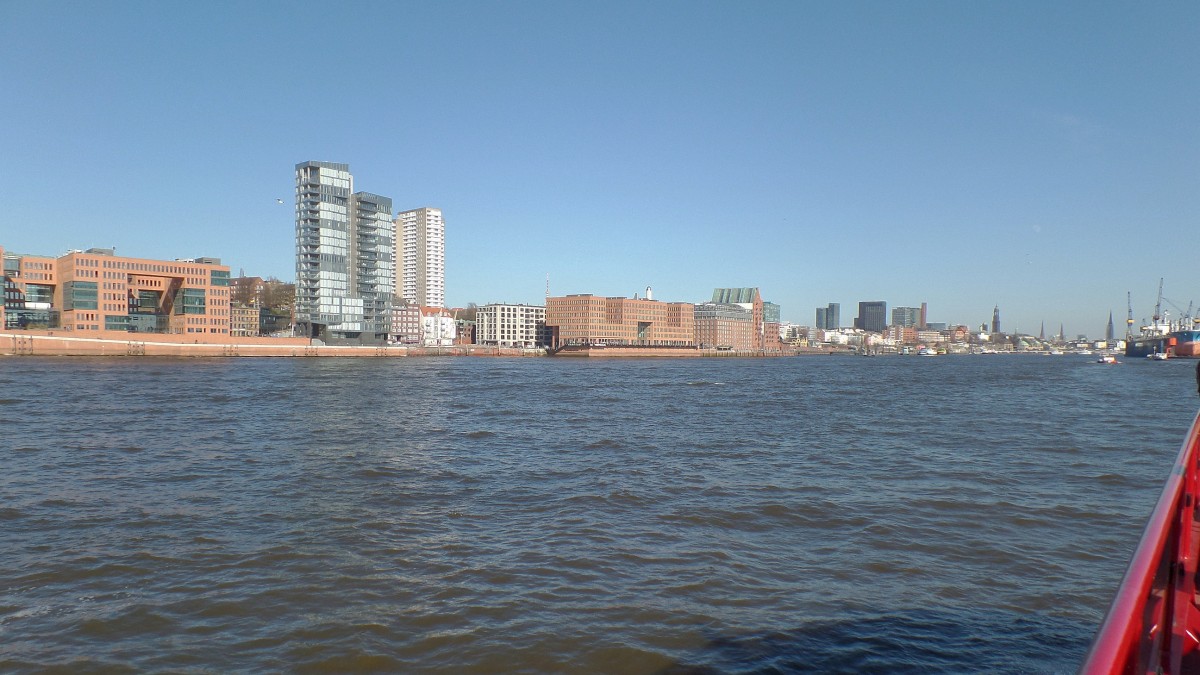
(1153, 624)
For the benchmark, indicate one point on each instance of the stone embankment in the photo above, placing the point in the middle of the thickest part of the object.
(43, 343)
(115, 343)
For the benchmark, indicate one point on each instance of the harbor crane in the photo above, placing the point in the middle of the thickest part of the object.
(1158, 305)
(1129, 318)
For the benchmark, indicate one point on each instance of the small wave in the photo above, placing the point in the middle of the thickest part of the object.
(603, 443)
(9, 401)
(376, 472)
(9, 513)
(702, 383)
(480, 434)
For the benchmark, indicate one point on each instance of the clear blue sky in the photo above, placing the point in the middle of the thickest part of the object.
(1042, 156)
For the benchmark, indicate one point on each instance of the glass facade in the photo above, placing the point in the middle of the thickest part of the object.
(190, 301)
(80, 295)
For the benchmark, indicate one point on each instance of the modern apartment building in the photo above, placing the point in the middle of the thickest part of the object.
(421, 257)
(511, 325)
(345, 267)
(95, 290)
(588, 320)
(372, 261)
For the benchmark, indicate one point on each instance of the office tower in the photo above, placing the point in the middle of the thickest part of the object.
(872, 316)
(833, 316)
(344, 265)
(996, 319)
(421, 257)
(829, 317)
(1108, 332)
(907, 317)
(923, 322)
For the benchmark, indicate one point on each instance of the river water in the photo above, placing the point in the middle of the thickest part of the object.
(460, 515)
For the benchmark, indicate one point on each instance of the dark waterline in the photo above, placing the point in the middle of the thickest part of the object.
(540, 515)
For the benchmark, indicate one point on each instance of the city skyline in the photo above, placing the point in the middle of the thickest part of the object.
(1031, 157)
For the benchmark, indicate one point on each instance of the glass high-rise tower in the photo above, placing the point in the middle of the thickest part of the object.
(345, 269)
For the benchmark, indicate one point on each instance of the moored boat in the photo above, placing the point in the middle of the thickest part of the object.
(1154, 619)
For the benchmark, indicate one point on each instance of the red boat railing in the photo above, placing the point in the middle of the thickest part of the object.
(1153, 625)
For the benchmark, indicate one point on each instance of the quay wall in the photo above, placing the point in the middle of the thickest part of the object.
(662, 352)
(118, 343)
(42, 343)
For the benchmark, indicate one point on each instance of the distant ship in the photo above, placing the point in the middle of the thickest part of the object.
(1163, 339)
(1185, 342)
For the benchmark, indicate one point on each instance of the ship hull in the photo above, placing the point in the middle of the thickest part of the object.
(1153, 621)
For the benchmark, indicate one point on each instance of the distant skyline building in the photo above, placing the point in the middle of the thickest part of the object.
(872, 316)
(1108, 332)
(996, 319)
(421, 256)
(829, 317)
(907, 317)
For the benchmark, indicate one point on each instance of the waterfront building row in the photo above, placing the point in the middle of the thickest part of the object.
(734, 320)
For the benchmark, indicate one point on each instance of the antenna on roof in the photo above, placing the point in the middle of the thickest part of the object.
(547, 284)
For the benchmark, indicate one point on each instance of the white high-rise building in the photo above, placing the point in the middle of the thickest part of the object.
(421, 257)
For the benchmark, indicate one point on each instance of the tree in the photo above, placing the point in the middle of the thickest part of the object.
(278, 296)
(243, 291)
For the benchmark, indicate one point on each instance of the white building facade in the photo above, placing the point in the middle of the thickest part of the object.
(421, 257)
(511, 326)
(437, 327)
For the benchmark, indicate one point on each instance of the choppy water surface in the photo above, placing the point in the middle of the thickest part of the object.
(542, 515)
